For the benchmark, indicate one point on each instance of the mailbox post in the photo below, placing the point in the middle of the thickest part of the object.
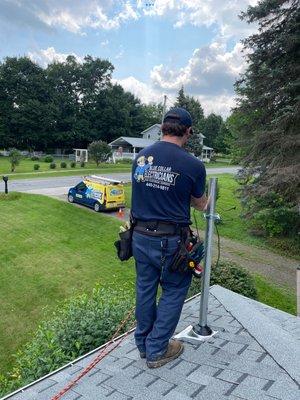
(5, 179)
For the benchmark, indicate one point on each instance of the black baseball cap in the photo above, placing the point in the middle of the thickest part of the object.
(179, 115)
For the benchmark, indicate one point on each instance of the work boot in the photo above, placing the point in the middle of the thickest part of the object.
(175, 348)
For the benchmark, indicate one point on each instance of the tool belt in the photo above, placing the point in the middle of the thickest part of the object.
(189, 254)
(158, 228)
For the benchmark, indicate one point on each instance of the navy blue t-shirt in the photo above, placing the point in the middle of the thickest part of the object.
(164, 177)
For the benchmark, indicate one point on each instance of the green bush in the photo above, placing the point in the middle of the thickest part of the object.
(35, 158)
(82, 164)
(230, 276)
(78, 326)
(125, 161)
(36, 167)
(281, 221)
(73, 164)
(48, 159)
(52, 165)
(63, 164)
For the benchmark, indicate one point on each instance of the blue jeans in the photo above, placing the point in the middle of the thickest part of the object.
(156, 323)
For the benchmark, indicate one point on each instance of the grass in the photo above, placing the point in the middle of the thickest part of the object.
(25, 169)
(49, 251)
(275, 296)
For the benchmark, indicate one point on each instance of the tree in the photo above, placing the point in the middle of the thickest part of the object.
(14, 158)
(99, 151)
(193, 106)
(194, 145)
(222, 141)
(25, 105)
(268, 106)
(212, 128)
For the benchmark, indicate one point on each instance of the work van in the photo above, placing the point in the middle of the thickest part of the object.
(98, 193)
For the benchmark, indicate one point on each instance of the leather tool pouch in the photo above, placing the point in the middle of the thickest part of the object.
(181, 259)
(124, 245)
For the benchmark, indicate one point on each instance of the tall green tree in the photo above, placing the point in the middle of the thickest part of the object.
(25, 105)
(211, 131)
(193, 106)
(269, 116)
(269, 97)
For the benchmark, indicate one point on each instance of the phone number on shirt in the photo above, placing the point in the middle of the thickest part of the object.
(156, 186)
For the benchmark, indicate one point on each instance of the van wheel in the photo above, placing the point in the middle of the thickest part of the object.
(70, 199)
(97, 207)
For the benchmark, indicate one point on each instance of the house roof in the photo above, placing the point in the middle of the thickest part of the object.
(206, 148)
(254, 356)
(133, 141)
(157, 127)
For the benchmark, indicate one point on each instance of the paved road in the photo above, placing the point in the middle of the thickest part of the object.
(60, 185)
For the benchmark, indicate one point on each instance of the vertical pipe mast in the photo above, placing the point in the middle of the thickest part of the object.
(202, 328)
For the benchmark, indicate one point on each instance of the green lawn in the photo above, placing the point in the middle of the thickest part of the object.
(25, 169)
(50, 250)
(275, 296)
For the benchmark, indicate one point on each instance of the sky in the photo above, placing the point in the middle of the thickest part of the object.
(156, 46)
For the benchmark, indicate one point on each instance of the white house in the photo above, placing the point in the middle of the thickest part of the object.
(128, 147)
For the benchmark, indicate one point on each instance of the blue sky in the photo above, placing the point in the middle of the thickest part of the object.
(156, 46)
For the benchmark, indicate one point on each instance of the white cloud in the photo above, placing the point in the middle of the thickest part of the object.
(221, 104)
(47, 56)
(104, 43)
(144, 92)
(224, 14)
(89, 14)
(209, 76)
(210, 70)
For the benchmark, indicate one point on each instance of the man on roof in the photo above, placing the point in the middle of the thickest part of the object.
(171, 182)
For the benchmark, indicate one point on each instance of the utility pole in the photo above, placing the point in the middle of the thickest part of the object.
(164, 108)
(163, 112)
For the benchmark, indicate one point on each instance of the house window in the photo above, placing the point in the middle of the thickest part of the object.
(148, 135)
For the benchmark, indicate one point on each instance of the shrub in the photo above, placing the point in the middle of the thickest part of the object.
(63, 164)
(48, 159)
(82, 164)
(14, 157)
(125, 161)
(35, 158)
(36, 167)
(52, 165)
(99, 151)
(73, 164)
(230, 276)
(281, 221)
(78, 326)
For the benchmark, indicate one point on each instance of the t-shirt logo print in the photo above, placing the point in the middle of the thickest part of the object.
(157, 176)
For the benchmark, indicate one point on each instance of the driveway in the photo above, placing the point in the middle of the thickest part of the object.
(57, 186)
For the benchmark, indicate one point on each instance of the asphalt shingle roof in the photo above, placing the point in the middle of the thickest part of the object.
(254, 356)
(133, 141)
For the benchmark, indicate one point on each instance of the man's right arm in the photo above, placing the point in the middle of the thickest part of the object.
(200, 203)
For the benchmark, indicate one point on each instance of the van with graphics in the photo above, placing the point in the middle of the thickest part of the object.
(98, 193)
